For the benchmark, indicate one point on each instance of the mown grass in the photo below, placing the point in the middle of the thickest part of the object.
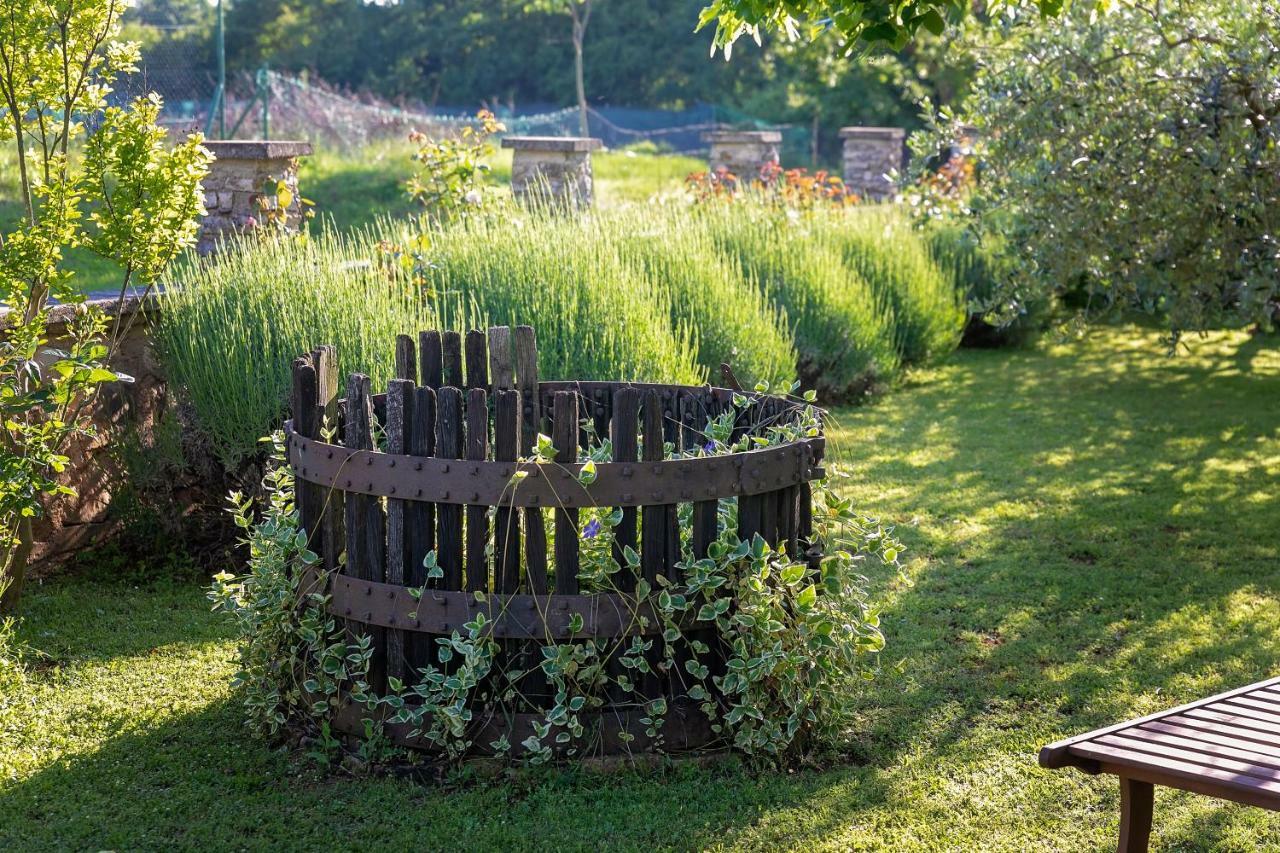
(356, 189)
(1092, 535)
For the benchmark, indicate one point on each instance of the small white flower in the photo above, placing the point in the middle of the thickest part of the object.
(472, 197)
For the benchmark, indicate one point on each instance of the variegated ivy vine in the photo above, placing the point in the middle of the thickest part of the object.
(798, 638)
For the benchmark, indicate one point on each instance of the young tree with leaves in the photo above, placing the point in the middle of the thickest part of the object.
(121, 192)
(579, 12)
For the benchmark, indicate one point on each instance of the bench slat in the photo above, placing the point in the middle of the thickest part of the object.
(1249, 707)
(1193, 744)
(1162, 749)
(1230, 720)
(1059, 754)
(1223, 783)
(1191, 732)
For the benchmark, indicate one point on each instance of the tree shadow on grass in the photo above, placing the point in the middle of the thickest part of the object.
(198, 781)
(1098, 543)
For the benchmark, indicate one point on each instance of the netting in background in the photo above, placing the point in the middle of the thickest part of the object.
(301, 107)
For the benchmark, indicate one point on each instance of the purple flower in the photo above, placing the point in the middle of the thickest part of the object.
(592, 530)
(709, 447)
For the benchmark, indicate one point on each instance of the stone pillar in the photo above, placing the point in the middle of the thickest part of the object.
(743, 152)
(870, 153)
(240, 191)
(558, 166)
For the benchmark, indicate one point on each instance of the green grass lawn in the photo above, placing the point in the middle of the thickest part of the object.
(1093, 536)
(356, 189)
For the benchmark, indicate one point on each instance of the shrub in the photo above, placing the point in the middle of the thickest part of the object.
(1132, 155)
(230, 328)
(889, 254)
(733, 320)
(977, 269)
(594, 315)
(843, 327)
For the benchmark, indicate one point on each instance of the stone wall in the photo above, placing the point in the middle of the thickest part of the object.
(743, 152)
(556, 167)
(870, 153)
(242, 182)
(122, 411)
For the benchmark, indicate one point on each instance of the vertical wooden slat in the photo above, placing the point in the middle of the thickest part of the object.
(625, 434)
(655, 532)
(449, 515)
(431, 358)
(506, 440)
(400, 420)
(420, 517)
(333, 538)
(452, 345)
(693, 416)
(502, 370)
(366, 525)
(565, 439)
(477, 514)
(535, 531)
(309, 497)
(477, 360)
(655, 553)
(601, 412)
(406, 363)
(626, 448)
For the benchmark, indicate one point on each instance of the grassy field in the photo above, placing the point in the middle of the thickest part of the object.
(1092, 533)
(354, 190)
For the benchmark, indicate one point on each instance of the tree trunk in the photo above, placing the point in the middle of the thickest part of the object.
(11, 594)
(578, 33)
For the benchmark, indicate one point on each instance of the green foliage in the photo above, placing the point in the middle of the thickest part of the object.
(883, 248)
(733, 321)
(125, 195)
(451, 171)
(231, 327)
(843, 327)
(293, 661)
(890, 22)
(1131, 159)
(593, 314)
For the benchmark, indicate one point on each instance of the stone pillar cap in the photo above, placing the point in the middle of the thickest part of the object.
(551, 143)
(257, 149)
(742, 136)
(880, 132)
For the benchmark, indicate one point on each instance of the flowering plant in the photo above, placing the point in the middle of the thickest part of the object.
(451, 176)
(793, 188)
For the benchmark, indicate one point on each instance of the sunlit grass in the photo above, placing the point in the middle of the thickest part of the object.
(1036, 600)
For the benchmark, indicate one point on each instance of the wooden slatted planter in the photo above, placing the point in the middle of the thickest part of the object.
(440, 463)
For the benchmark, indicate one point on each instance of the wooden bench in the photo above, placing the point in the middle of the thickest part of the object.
(1226, 746)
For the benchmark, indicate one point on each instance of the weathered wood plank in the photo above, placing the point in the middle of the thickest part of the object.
(626, 448)
(431, 357)
(535, 531)
(477, 514)
(477, 351)
(333, 538)
(506, 441)
(406, 362)
(502, 366)
(365, 522)
(401, 398)
(452, 344)
(565, 439)
(449, 435)
(306, 410)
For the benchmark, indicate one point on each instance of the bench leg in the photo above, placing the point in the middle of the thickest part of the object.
(1135, 815)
